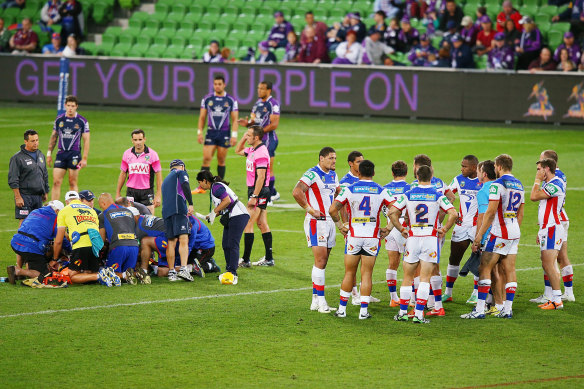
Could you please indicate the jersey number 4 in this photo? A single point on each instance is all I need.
(365, 206)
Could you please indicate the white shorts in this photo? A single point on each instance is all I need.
(551, 238)
(321, 233)
(395, 241)
(566, 225)
(501, 246)
(422, 248)
(362, 246)
(460, 233)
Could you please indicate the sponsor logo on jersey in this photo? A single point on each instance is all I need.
(115, 266)
(139, 168)
(422, 197)
(126, 236)
(310, 175)
(85, 218)
(149, 221)
(558, 242)
(364, 189)
(433, 254)
(551, 189)
(494, 189)
(116, 214)
(500, 245)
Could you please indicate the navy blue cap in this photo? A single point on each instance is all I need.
(177, 162)
(86, 195)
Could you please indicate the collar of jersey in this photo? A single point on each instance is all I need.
(146, 150)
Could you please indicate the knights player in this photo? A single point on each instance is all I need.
(315, 192)
(365, 200)
(466, 185)
(266, 114)
(550, 237)
(353, 159)
(423, 204)
(222, 112)
(504, 216)
(395, 243)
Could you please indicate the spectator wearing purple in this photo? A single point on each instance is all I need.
(573, 48)
(376, 51)
(530, 44)
(461, 54)
(213, 55)
(25, 40)
(389, 7)
(265, 55)
(319, 27)
(55, 46)
(292, 48)
(380, 25)
(419, 54)
(50, 13)
(313, 50)
(544, 62)
(337, 33)
(469, 31)
(391, 36)
(408, 37)
(501, 57)
(279, 31)
(349, 52)
(481, 11)
(358, 26)
(452, 12)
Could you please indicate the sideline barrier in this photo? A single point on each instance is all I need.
(390, 92)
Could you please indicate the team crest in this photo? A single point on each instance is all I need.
(433, 254)
(226, 105)
(350, 247)
(559, 242)
(542, 107)
(76, 126)
(500, 245)
(61, 124)
(462, 184)
(265, 109)
(576, 110)
(115, 266)
(147, 157)
(210, 103)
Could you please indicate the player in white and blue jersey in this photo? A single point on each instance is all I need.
(220, 111)
(69, 129)
(353, 159)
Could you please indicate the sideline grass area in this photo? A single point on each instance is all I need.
(272, 339)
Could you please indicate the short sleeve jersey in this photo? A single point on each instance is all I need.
(397, 188)
(219, 110)
(321, 189)
(119, 225)
(365, 200)
(562, 176)
(348, 179)
(78, 217)
(149, 226)
(548, 214)
(437, 184)
(423, 204)
(257, 158)
(261, 111)
(509, 192)
(482, 205)
(467, 189)
(140, 167)
(69, 130)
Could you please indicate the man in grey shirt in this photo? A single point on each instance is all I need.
(377, 52)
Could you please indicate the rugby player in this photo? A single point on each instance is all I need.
(69, 129)
(258, 178)
(222, 124)
(315, 192)
(550, 237)
(423, 204)
(140, 165)
(353, 159)
(365, 200)
(504, 215)
(266, 114)
(466, 185)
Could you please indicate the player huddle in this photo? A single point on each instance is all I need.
(420, 215)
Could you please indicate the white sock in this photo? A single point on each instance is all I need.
(508, 304)
(190, 267)
(568, 271)
(355, 291)
(423, 293)
(364, 304)
(451, 272)
(557, 296)
(436, 283)
(346, 295)
(318, 279)
(405, 293)
(480, 309)
(499, 307)
(391, 275)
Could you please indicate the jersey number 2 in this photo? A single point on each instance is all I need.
(421, 211)
(365, 206)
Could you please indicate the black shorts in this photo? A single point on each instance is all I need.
(176, 225)
(142, 196)
(83, 259)
(218, 138)
(31, 202)
(36, 262)
(203, 255)
(263, 198)
(67, 159)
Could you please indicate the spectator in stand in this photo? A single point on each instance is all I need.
(581, 65)
(213, 54)
(460, 54)
(452, 12)
(408, 37)
(349, 52)
(512, 35)
(292, 48)
(25, 40)
(14, 4)
(485, 36)
(379, 25)
(71, 19)
(481, 11)
(265, 55)
(226, 54)
(376, 52)
(430, 14)
(55, 46)
(449, 33)
(530, 44)
(358, 26)
(50, 13)
(4, 36)
(320, 28)
(501, 57)
(391, 36)
(469, 31)
(572, 48)
(279, 31)
(337, 33)
(443, 60)
(72, 49)
(508, 13)
(565, 63)
(313, 50)
(545, 62)
(419, 54)
(389, 7)
(575, 15)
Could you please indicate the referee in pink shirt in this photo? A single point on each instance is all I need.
(140, 164)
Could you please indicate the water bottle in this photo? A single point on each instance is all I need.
(3, 279)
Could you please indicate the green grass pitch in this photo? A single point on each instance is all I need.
(260, 333)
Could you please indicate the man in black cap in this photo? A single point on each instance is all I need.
(87, 197)
(176, 193)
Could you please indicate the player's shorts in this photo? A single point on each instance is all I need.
(362, 246)
(35, 261)
(422, 248)
(551, 238)
(566, 226)
(122, 258)
(218, 138)
(67, 159)
(395, 241)
(176, 225)
(271, 143)
(202, 255)
(461, 234)
(83, 259)
(31, 202)
(142, 196)
(161, 245)
(501, 246)
(263, 198)
(320, 233)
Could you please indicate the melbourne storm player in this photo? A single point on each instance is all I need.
(222, 112)
(69, 129)
(266, 114)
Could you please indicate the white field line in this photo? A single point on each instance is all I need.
(193, 298)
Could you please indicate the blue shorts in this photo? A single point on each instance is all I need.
(161, 245)
(218, 138)
(271, 142)
(177, 225)
(67, 159)
(122, 258)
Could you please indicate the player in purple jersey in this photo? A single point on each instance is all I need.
(69, 129)
(266, 113)
(222, 112)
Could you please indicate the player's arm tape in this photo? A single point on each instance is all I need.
(308, 208)
(339, 224)
(49, 152)
(234, 134)
(199, 131)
